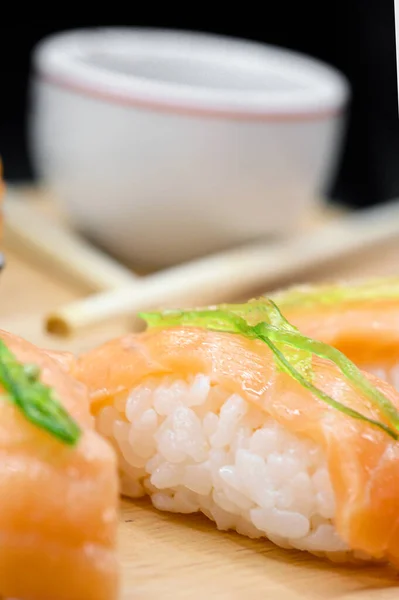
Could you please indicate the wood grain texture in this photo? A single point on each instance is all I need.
(167, 556)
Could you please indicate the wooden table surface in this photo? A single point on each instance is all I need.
(171, 556)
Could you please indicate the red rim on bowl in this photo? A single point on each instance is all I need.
(193, 74)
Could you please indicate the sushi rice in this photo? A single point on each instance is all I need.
(193, 447)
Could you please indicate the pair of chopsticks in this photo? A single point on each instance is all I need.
(211, 280)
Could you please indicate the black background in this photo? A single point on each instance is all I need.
(356, 36)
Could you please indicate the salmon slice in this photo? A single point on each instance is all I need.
(361, 319)
(58, 502)
(204, 421)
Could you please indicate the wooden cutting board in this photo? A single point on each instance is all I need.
(175, 556)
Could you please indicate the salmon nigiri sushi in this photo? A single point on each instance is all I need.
(360, 318)
(263, 430)
(59, 484)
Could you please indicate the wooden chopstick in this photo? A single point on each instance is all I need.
(223, 277)
(39, 237)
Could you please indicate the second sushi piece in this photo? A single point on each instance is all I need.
(59, 489)
(360, 318)
(263, 430)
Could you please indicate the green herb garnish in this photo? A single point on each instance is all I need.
(292, 351)
(308, 296)
(34, 399)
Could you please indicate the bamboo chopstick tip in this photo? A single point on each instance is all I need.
(56, 325)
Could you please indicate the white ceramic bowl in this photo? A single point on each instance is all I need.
(166, 145)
